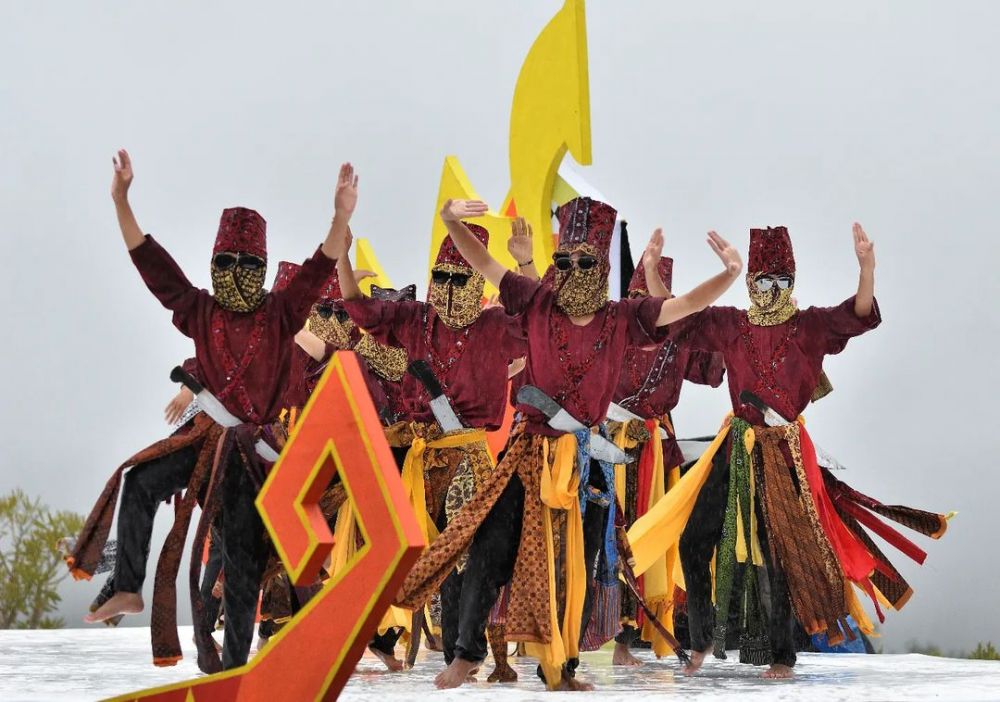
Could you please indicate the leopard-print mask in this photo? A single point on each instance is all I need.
(772, 307)
(458, 306)
(239, 289)
(331, 330)
(582, 292)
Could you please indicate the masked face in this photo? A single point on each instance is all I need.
(581, 279)
(387, 361)
(770, 298)
(456, 294)
(238, 280)
(330, 322)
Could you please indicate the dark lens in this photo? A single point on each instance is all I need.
(342, 315)
(440, 277)
(459, 279)
(324, 311)
(585, 263)
(251, 263)
(224, 261)
(562, 262)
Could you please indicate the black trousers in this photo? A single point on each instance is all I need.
(146, 486)
(703, 531)
(491, 564)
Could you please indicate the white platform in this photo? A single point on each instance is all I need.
(89, 664)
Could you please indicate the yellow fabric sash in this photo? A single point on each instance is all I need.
(560, 490)
(413, 472)
(661, 527)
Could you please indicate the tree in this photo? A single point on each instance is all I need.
(30, 566)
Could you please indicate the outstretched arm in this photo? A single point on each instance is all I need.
(345, 199)
(651, 262)
(120, 183)
(453, 212)
(311, 344)
(864, 301)
(708, 292)
(348, 283)
(521, 247)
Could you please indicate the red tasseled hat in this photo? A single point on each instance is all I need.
(449, 254)
(587, 221)
(242, 230)
(770, 251)
(665, 268)
(286, 273)
(409, 293)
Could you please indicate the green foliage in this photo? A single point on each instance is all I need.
(985, 652)
(30, 566)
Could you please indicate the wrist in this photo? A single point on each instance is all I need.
(525, 263)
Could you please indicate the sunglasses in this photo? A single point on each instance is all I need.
(225, 261)
(766, 282)
(326, 311)
(444, 277)
(563, 262)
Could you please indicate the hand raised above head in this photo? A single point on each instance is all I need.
(123, 175)
(456, 210)
(345, 197)
(521, 242)
(729, 256)
(863, 248)
(654, 250)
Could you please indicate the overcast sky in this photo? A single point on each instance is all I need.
(735, 115)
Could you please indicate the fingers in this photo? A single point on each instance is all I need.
(714, 236)
(125, 159)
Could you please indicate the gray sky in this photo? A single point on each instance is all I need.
(730, 116)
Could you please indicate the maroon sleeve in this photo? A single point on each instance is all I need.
(518, 293)
(300, 295)
(314, 367)
(393, 323)
(641, 315)
(709, 330)
(832, 327)
(705, 368)
(167, 281)
(191, 367)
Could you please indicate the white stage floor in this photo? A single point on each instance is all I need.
(89, 664)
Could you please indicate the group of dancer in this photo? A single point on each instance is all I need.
(594, 523)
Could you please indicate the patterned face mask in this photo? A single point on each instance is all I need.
(330, 322)
(238, 281)
(387, 361)
(456, 294)
(770, 298)
(581, 292)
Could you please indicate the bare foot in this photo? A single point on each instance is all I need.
(120, 603)
(623, 656)
(502, 673)
(697, 658)
(571, 684)
(455, 674)
(778, 672)
(391, 662)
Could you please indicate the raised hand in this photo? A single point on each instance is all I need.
(345, 198)
(654, 250)
(122, 178)
(457, 210)
(863, 249)
(729, 256)
(362, 274)
(521, 244)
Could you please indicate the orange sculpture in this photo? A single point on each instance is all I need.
(312, 657)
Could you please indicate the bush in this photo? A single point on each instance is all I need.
(30, 566)
(985, 652)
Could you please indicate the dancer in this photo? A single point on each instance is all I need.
(536, 500)
(242, 338)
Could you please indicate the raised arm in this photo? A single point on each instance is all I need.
(651, 262)
(345, 273)
(345, 199)
(864, 301)
(708, 292)
(120, 183)
(521, 247)
(311, 344)
(453, 212)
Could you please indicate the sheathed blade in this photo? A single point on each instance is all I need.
(561, 420)
(620, 414)
(440, 406)
(211, 406)
(265, 451)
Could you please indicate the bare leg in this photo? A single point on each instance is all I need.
(697, 658)
(623, 656)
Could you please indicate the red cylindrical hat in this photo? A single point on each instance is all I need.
(665, 268)
(449, 254)
(242, 230)
(770, 251)
(586, 221)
